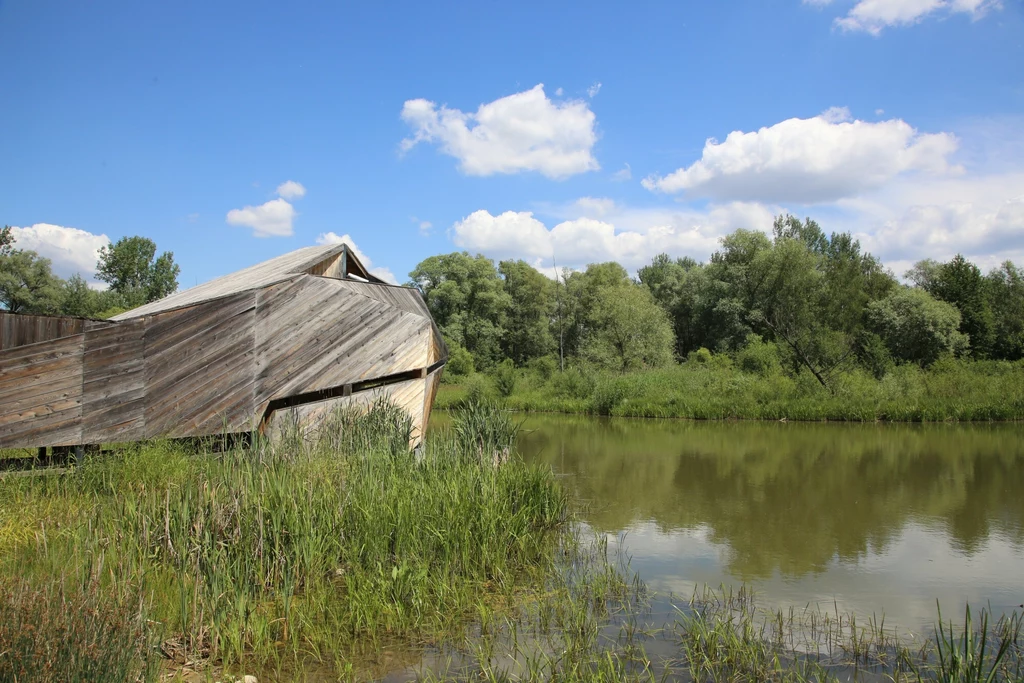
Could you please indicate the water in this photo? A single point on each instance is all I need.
(870, 519)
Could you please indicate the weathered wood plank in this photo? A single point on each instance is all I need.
(42, 406)
(199, 368)
(21, 330)
(334, 337)
(113, 382)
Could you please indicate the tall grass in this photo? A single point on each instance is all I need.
(951, 390)
(292, 553)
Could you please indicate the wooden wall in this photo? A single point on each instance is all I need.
(215, 367)
(21, 330)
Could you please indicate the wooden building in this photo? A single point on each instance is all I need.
(287, 339)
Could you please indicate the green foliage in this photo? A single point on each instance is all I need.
(759, 357)
(1005, 287)
(527, 328)
(701, 355)
(478, 389)
(873, 354)
(6, 240)
(544, 367)
(960, 283)
(27, 285)
(505, 378)
(132, 269)
(951, 389)
(468, 301)
(916, 327)
(630, 330)
(460, 361)
(573, 383)
(609, 392)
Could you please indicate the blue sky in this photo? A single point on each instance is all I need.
(233, 132)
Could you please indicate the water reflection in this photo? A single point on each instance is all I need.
(877, 517)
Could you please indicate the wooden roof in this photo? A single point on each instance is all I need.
(332, 260)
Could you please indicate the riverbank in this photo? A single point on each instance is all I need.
(715, 389)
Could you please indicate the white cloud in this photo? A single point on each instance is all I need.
(873, 16)
(819, 159)
(522, 132)
(192, 217)
(980, 217)
(334, 238)
(426, 227)
(623, 174)
(595, 234)
(69, 249)
(559, 92)
(271, 219)
(290, 189)
(593, 90)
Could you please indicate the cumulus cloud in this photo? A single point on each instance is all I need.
(271, 219)
(521, 132)
(812, 160)
(290, 189)
(334, 238)
(873, 16)
(70, 250)
(981, 217)
(596, 234)
(593, 90)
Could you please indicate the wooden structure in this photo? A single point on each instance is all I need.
(290, 338)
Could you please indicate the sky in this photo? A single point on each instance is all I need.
(560, 133)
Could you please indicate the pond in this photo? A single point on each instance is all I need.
(868, 519)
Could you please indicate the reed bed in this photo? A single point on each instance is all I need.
(280, 556)
(951, 390)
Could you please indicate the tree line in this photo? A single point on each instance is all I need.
(797, 298)
(133, 272)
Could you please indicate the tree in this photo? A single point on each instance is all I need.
(6, 240)
(631, 331)
(131, 270)
(27, 285)
(81, 300)
(467, 299)
(527, 331)
(960, 283)
(677, 286)
(915, 326)
(1005, 286)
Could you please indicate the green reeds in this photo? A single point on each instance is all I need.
(296, 552)
(952, 390)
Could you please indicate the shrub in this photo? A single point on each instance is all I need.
(701, 355)
(505, 378)
(759, 357)
(573, 383)
(460, 361)
(545, 366)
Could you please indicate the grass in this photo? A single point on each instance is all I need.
(283, 556)
(952, 390)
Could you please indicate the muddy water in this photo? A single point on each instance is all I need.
(870, 519)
